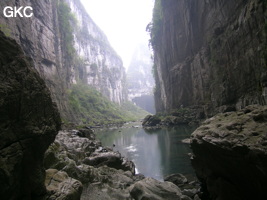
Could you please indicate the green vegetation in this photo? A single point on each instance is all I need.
(92, 108)
(93, 66)
(154, 28)
(5, 29)
(67, 21)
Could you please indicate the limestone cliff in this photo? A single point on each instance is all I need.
(29, 122)
(140, 79)
(211, 54)
(67, 47)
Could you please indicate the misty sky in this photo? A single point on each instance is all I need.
(123, 21)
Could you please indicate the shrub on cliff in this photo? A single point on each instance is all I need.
(154, 27)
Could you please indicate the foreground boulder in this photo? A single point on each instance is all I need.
(60, 186)
(29, 122)
(230, 154)
(150, 188)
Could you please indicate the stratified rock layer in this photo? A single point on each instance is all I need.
(29, 122)
(211, 54)
(230, 154)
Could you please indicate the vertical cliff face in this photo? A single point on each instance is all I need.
(64, 56)
(209, 53)
(102, 67)
(140, 79)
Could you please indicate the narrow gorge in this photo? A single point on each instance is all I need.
(63, 88)
(210, 58)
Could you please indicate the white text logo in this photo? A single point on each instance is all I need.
(20, 12)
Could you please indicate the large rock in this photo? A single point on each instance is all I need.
(29, 123)
(110, 159)
(78, 155)
(60, 186)
(153, 189)
(151, 120)
(230, 154)
(109, 184)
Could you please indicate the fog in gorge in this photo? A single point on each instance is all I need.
(140, 78)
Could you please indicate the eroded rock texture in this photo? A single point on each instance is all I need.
(76, 157)
(60, 186)
(29, 122)
(230, 154)
(211, 54)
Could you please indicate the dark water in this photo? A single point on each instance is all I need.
(155, 153)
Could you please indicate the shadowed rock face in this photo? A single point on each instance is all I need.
(211, 54)
(230, 154)
(29, 122)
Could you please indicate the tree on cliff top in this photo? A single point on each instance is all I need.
(154, 28)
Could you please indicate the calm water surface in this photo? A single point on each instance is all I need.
(155, 153)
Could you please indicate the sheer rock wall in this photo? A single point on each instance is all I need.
(211, 54)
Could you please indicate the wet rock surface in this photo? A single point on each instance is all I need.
(230, 154)
(105, 175)
(29, 123)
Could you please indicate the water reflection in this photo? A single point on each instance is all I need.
(155, 153)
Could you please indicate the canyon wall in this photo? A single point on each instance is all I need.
(209, 54)
(66, 47)
(140, 79)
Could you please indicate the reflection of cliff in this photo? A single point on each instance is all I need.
(174, 153)
(140, 79)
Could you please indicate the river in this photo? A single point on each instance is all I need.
(155, 153)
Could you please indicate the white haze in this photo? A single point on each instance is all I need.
(123, 21)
